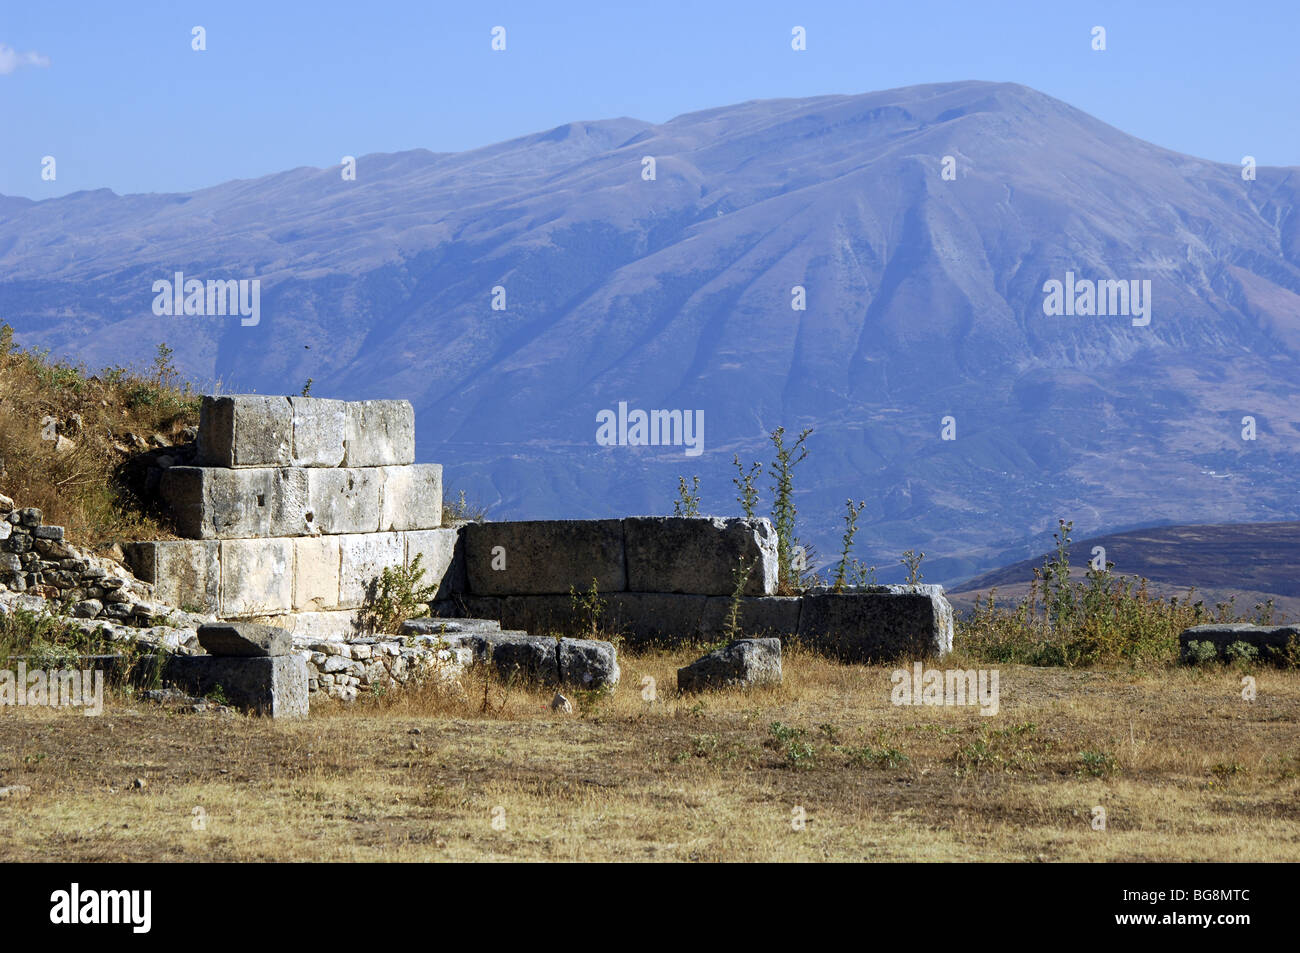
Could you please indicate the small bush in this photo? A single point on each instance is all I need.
(395, 596)
(1201, 653)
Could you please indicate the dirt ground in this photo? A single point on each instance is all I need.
(1077, 765)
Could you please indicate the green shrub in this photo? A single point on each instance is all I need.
(395, 596)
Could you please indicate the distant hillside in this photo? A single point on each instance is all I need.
(1253, 561)
(923, 294)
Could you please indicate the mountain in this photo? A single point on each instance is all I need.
(924, 299)
(1252, 562)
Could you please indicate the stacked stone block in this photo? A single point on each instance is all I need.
(294, 505)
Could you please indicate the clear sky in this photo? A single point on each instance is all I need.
(115, 93)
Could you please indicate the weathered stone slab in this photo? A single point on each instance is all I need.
(362, 558)
(879, 623)
(411, 497)
(758, 616)
(216, 503)
(326, 626)
(185, 573)
(344, 500)
(275, 687)
(442, 558)
(316, 565)
(1266, 639)
(379, 433)
(435, 626)
(743, 663)
(256, 577)
(699, 555)
(587, 663)
(245, 430)
(538, 557)
(580, 663)
(244, 639)
(319, 431)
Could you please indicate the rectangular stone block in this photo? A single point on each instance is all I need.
(411, 497)
(379, 433)
(345, 500)
(315, 573)
(441, 558)
(878, 624)
(217, 503)
(185, 573)
(327, 626)
(362, 558)
(758, 616)
(1267, 640)
(538, 557)
(319, 431)
(245, 430)
(700, 555)
(275, 687)
(256, 577)
(664, 617)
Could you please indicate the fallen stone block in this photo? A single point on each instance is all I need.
(743, 663)
(435, 627)
(244, 640)
(324, 626)
(275, 686)
(183, 572)
(256, 577)
(411, 497)
(1267, 640)
(587, 663)
(245, 430)
(878, 623)
(699, 555)
(379, 433)
(537, 557)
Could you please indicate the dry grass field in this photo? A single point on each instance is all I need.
(1182, 766)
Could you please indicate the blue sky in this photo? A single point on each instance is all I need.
(125, 103)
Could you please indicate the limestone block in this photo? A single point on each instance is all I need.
(742, 664)
(757, 616)
(441, 557)
(217, 503)
(275, 687)
(344, 500)
(316, 565)
(184, 572)
(379, 433)
(411, 497)
(319, 431)
(699, 554)
(362, 557)
(1268, 640)
(245, 430)
(877, 623)
(244, 639)
(534, 557)
(256, 577)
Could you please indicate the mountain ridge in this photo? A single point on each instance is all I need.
(924, 300)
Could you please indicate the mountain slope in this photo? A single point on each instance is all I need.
(924, 299)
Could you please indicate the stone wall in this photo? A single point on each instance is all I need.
(297, 504)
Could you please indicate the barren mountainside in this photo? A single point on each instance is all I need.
(924, 299)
